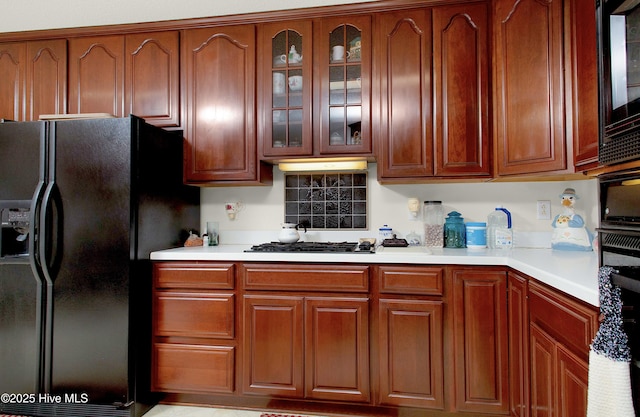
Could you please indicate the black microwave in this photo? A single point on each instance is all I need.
(619, 69)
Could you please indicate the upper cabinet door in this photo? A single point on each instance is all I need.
(584, 83)
(152, 77)
(404, 72)
(284, 87)
(219, 80)
(529, 87)
(46, 78)
(96, 75)
(343, 61)
(12, 73)
(461, 90)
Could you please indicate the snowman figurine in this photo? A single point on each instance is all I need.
(569, 231)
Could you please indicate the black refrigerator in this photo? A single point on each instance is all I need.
(83, 203)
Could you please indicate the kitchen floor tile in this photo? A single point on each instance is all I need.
(162, 410)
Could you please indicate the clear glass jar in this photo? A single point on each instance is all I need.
(433, 215)
(454, 231)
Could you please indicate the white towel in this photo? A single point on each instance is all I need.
(609, 391)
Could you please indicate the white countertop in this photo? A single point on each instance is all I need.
(575, 273)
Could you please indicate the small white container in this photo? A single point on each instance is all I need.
(476, 235)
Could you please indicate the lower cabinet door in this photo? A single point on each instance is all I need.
(337, 348)
(559, 378)
(573, 377)
(542, 381)
(480, 345)
(411, 353)
(273, 345)
(193, 368)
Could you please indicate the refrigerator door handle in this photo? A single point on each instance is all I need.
(50, 236)
(34, 230)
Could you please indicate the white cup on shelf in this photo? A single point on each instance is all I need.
(278, 83)
(337, 53)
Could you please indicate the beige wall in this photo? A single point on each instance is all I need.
(264, 206)
(50, 14)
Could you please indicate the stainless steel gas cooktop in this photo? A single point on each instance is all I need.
(322, 247)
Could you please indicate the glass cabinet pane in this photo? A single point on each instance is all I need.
(287, 89)
(345, 89)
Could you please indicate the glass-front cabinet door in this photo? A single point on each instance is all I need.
(285, 121)
(344, 48)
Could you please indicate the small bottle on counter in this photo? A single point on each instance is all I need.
(205, 240)
(433, 224)
(385, 232)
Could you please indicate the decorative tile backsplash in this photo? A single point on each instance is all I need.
(327, 201)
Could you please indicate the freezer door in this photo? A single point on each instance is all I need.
(22, 169)
(88, 221)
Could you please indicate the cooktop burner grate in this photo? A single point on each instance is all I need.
(331, 247)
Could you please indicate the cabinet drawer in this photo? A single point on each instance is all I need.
(193, 368)
(563, 318)
(194, 275)
(317, 277)
(410, 280)
(194, 314)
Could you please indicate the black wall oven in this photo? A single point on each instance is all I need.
(619, 247)
(619, 68)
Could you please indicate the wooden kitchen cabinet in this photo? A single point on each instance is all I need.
(220, 100)
(96, 75)
(274, 345)
(560, 332)
(306, 345)
(126, 74)
(194, 322)
(410, 336)
(330, 113)
(285, 111)
(152, 77)
(33, 79)
(12, 74)
(545, 86)
(344, 85)
(434, 92)
(583, 83)
(518, 318)
(480, 339)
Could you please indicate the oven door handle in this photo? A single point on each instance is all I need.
(625, 282)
